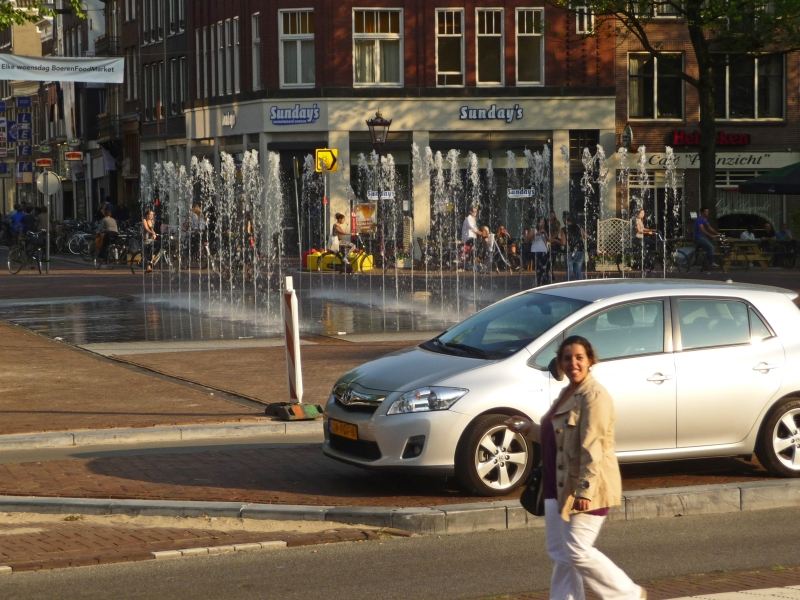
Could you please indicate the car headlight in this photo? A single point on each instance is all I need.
(426, 399)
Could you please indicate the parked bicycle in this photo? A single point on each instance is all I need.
(27, 252)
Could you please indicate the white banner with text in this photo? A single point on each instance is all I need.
(62, 68)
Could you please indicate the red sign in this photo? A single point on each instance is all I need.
(683, 137)
(73, 155)
(44, 162)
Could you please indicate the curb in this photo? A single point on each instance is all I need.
(451, 518)
(170, 433)
(212, 550)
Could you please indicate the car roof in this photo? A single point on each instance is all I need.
(594, 290)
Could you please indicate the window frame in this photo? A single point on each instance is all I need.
(462, 36)
(517, 35)
(377, 38)
(256, 82)
(584, 20)
(491, 9)
(727, 118)
(655, 116)
(298, 39)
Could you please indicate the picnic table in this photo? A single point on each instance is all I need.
(745, 253)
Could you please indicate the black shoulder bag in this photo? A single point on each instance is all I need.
(532, 498)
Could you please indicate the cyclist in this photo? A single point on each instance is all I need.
(108, 231)
(149, 236)
(703, 232)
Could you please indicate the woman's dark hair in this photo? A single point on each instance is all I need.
(339, 216)
(577, 339)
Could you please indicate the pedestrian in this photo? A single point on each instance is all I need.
(540, 251)
(573, 238)
(469, 234)
(581, 480)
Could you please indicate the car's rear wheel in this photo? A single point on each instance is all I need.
(491, 460)
(779, 442)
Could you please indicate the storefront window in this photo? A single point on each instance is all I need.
(490, 46)
(530, 46)
(377, 47)
(297, 48)
(449, 47)
(749, 87)
(655, 88)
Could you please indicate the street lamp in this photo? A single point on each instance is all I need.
(379, 133)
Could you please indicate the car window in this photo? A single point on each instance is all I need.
(628, 330)
(709, 322)
(548, 353)
(509, 325)
(758, 329)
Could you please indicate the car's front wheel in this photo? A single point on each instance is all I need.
(779, 442)
(491, 460)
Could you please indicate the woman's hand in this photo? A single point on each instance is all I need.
(581, 504)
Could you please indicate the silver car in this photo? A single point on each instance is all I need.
(696, 369)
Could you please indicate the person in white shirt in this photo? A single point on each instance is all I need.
(469, 232)
(747, 235)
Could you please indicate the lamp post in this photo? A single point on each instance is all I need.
(379, 133)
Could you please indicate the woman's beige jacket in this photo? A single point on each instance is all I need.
(586, 463)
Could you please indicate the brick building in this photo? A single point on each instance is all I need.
(758, 119)
(487, 77)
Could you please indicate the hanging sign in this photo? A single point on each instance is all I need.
(520, 192)
(61, 68)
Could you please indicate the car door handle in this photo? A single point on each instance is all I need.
(659, 378)
(763, 367)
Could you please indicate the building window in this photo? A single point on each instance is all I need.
(749, 87)
(584, 20)
(377, 47)
(255, 30)
(220, 58)
(489, 46)
(198, 60)
(655, 88)
(174, 85)
(183, 91)
(659, 9)
(228, 57)
(148, 106)
(212, 74)
(530, 46)
(297, 48)
(236, 56)
(449, 47)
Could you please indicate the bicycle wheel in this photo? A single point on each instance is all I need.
(135, 261)
(16, 260)
(37, 258)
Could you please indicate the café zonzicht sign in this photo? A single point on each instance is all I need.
(62, 68)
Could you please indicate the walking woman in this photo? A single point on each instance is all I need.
(581, 481)
(541, 253)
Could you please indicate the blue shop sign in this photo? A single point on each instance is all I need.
(25, 167)
(25, 117)
(295, 115)
(2, 106)
(24, 150)
(24, 102)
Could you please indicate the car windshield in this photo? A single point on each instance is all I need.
(506, 327)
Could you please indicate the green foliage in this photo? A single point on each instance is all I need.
(10, 14)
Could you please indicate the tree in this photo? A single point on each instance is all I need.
(716, 28)
(17, 12)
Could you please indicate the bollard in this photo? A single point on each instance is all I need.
(294, 410)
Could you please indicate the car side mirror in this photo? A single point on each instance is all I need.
(552, 366)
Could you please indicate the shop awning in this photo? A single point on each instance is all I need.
(785, 180)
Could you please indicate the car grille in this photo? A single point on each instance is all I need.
(352, 399)
(359, 448)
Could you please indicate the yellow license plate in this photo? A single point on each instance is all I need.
(345, 430)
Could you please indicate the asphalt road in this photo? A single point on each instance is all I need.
(475, 565)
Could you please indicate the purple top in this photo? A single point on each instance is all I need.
(548, 445)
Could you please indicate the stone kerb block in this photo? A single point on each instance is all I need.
(284, 512)
(681, 501)
(766, 495)
(375, 516)
(421, 520)
(461, 518)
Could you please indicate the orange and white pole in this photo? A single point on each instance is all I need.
(291, 322)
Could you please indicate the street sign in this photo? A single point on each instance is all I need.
(24, 102)
(44, 163)
(48, 183)
(24, 150)
(327, 160)
(384, 195)
(73, 155)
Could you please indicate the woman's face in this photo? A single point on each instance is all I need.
(150, 214)
(641, 214)
(575, 363)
